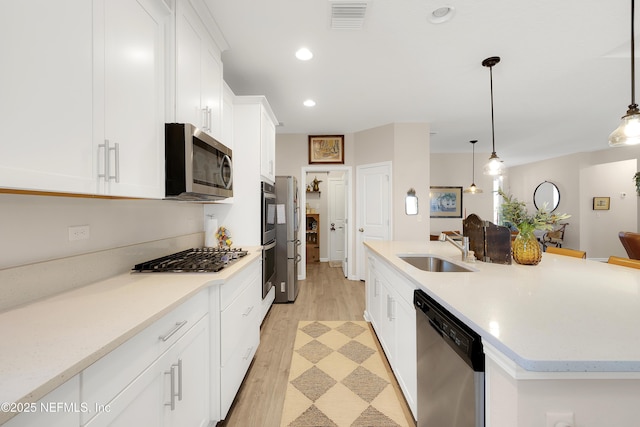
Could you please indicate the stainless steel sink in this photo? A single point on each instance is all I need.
(434, 264)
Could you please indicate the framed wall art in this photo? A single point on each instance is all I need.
(445, 202)
(325, 149)
(601, 203)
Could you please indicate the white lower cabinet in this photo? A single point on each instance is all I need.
(390, 310)
(170, 392)
(240, 302)
(158, 378)
(60, 408)
(183, 370)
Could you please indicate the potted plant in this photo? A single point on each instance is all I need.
(636, 178)
(525, 247)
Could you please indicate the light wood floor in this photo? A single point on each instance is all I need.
(324, 295)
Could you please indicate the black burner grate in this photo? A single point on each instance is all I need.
(196, 260)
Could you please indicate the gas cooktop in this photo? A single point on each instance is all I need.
(196, 260)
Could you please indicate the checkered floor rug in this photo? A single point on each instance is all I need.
(338, 378)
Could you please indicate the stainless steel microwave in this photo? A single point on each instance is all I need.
(197, 167)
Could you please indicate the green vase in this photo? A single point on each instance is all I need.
(526, 249)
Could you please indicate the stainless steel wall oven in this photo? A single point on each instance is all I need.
(268, 228)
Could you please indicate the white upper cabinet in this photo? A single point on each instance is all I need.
(82, 101)
(46, 86)
(199, 83)
(227, 116)
(268, 145)
(129, 96)
(260, 136)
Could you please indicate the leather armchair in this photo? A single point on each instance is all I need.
(631, 243)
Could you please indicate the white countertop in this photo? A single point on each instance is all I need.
(45, 343)
(563, 315)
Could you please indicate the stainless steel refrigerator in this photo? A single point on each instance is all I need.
(287, 242)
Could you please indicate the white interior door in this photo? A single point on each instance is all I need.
(337, 222)
(373, 207)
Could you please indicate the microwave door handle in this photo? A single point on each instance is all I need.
(226, 159)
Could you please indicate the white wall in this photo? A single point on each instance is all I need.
(456, 170)
(579, 180)
(405, 144)
(411, 168)
(599, 228)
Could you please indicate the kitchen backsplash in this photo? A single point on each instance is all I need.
(37, 257)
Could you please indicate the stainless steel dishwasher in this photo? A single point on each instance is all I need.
(450, 368)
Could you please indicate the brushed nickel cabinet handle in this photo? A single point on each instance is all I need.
(175, 329)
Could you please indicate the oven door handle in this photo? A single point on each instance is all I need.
(269, 246)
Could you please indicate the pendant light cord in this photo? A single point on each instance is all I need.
(633, 62)
(473, 162)
(493, 132)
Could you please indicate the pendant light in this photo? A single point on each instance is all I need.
(494, 166)
(472, 188)
(628, 133)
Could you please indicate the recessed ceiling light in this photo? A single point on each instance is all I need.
(304, 54)
(309, 103)
(442, 14)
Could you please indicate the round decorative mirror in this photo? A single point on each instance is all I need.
(547, 192)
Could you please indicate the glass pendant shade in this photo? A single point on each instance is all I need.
(628, 133)
(472, 189)
(494, 166)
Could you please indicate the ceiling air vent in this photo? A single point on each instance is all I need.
(348, 15)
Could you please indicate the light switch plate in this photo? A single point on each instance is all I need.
(559, 419)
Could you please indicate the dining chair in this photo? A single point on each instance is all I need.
(554, 237)
(568, 252)
(625, 262)
(631, 243)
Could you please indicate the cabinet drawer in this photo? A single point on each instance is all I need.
(230, 290)
(233, 372)
(103, 380)
(240, 320)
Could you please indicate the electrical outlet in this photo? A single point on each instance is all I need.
(559, 419)
(78, 232)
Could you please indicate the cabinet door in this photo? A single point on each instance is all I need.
(211, 96)
(405, 358)
(188, 68)
(387, 334)
(191, 378)
(227, 116)
(133, 104)
(267, 146)
(199, 79)
(139, 404)
(46, 86)
(374, 297)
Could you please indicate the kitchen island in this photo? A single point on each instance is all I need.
(69, 340)
(561, 336)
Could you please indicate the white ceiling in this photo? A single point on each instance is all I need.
(561, 87)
